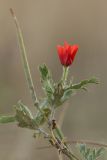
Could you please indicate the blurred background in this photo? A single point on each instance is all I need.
(45, 24)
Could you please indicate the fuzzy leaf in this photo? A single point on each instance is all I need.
(48, 89)
(47, 82)
(40, 117)
(99, 152)
(90, 157)
(44, 71)
(90, 154)
(87, 152)
(84, 83)
(24, 116)
(82, 148)
(7, 119)
(25, 109)
(67, 95)
(94, 153)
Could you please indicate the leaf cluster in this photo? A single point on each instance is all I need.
(89, 153)
(58, 93)
(55, 95)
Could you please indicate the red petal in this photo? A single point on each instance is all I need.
(61, 53)
(74, 50)
(66, 45)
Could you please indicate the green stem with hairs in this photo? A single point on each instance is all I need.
(26, 65)
(65, 74)
(7, 119)
(25, 61)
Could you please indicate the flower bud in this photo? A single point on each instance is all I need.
(67, 53)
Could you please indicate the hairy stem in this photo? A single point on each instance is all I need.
(65, 74)
(7, 119)
(26, 66)
(25, 61)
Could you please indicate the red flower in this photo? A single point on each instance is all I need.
(67, 53)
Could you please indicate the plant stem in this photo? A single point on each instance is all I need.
(25, 61)
(69, 155)
(65, 74)
(44, 133)
(58, 138)
(26, 64)
(7, 119)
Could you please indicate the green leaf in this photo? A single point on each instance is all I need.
(90, 154)
(7, 119)
(45, 73)
(24, 116)
(47, 82)
(99, 152)
(25, 109)
(94, 153)
(67, 94)
(90, 157)
(82, 148)
(84, 83)
(87, 152)
(40, 117)
(48, 88)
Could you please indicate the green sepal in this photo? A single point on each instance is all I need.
(7, 119)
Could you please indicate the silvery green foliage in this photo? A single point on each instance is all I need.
(56, 94)
(40, 117)
(89, 153)
(83, 83)
(24, 116)
(47, 82)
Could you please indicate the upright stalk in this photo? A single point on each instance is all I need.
(25, 61)
(64, 74)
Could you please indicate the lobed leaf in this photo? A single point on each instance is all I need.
(84, 83)
(99, 152)
(40, 117)
(44, 72)
(67, 94)
(24, 116)
(47, 82)
(90, 154)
